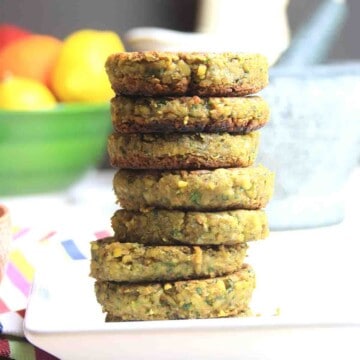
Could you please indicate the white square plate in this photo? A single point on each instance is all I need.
(308, 278)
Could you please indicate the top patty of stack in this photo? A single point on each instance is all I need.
(152, 73)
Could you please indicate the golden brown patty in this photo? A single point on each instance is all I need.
(182, 151)
(131, 262)
(166, 227)
(200, 190)
(153, 73)
(188, 114)
(207, 298)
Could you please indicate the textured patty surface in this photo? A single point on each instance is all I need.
(188, 114)
(246, 312)
(131, 262)
(201, 190)
(152, 73)
(206, 298)
(166, 227)
(182, 151)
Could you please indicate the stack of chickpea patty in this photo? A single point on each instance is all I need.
(184, 141)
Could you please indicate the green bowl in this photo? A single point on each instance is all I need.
(46, 151)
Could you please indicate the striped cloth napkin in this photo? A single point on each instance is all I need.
(29, 248)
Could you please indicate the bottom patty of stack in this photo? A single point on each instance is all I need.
(243, 313)
(223, 296)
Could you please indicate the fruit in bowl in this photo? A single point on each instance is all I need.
(19, 93)
(54, 117)
(32, 56)
(10, 33)
(80, 77)
(72, 69)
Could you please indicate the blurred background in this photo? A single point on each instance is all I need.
(61, 17)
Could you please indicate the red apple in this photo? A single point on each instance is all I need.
(10, 33)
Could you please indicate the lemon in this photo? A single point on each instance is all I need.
(19, 93)
(79, 73)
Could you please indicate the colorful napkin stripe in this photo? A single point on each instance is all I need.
(31, 247)
(72, 250)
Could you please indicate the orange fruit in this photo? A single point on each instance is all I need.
(17, 93)
(10, 33)
(32, 57)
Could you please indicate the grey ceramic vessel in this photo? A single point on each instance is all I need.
(312, 142)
